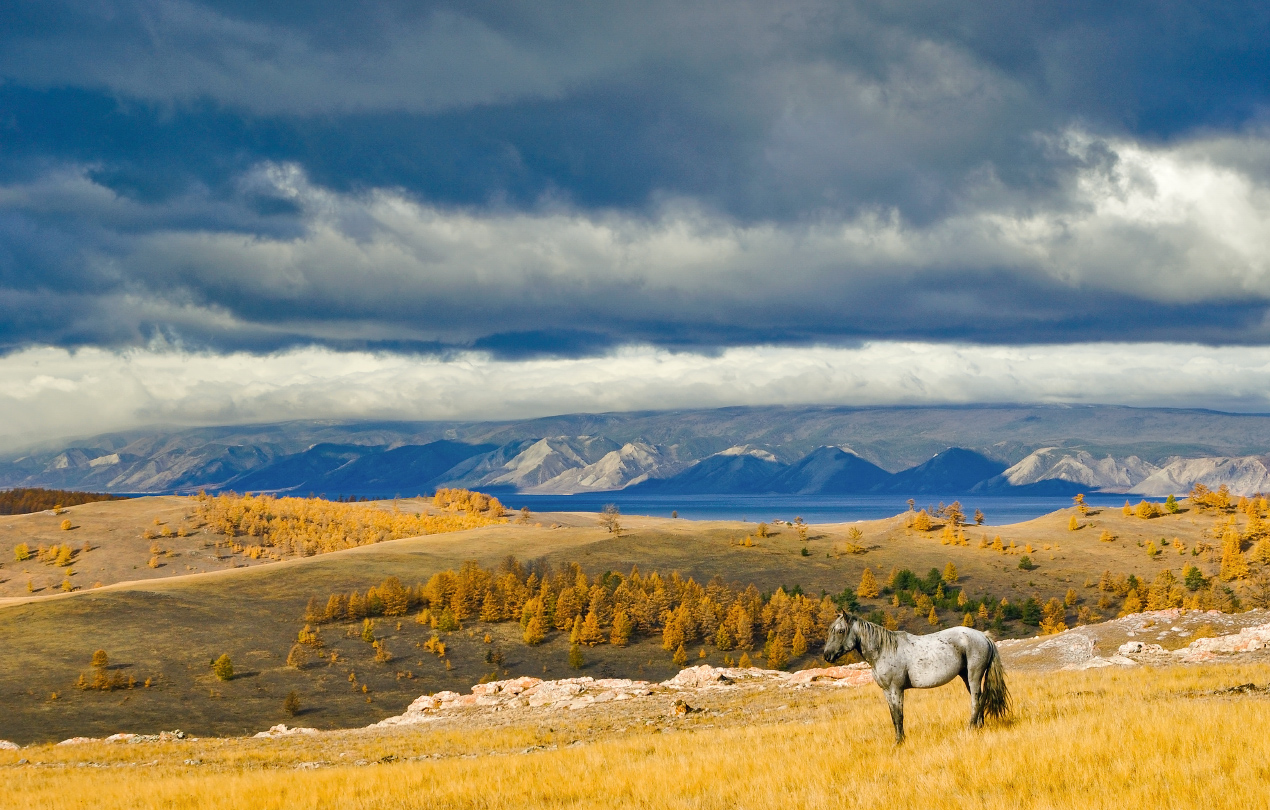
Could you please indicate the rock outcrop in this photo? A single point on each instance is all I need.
(579, 693)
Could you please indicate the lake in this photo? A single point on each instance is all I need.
(998, 510)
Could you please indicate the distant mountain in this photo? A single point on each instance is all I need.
(412, 469)
(828, 471)
(1053, 470)
(1020, 449)
(300, 471)
(538, 462)
(952, 471)
(633, 463)
(1244, 476)
(735, 471)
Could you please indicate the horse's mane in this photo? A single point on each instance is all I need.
(878, 637)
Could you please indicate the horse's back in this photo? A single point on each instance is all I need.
(936, 658)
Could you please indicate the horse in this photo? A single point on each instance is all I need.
(904, 661)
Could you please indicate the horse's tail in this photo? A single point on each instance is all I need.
(994, 697)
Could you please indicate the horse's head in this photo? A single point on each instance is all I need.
(842, 637)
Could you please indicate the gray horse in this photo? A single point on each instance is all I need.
(904, 661)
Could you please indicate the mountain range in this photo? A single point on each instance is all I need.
(804, 451)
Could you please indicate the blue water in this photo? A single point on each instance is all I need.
(997, 510)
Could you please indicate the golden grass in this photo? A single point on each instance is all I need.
(1097, 739)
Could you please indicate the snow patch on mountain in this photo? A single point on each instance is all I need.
(749, 450)
(1245, 475)
(546, 459)
(633, 463)
(1080, 467)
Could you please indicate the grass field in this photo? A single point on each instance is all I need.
(168, 629)
(1096, 739)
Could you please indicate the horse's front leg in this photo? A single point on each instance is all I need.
(895, 699)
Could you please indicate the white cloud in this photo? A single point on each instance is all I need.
(49, 393)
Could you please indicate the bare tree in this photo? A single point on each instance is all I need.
(611, 518)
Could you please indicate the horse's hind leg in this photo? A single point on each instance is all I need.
(895, 699)
(973, 677)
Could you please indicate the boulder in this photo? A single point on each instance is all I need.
(5, 745)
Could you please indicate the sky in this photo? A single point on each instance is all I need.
(218, 212)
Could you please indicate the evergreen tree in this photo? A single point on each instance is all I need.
(1233, 564)
(798, 647)
(534, 633)
(291, 704)
(591, 633)
(575, 657)
(623, 627)
(1132, 604)
(446, 622)
(681, 656)
(868, 586)
(1052, 617)
(723, 639)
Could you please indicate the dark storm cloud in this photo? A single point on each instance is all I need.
(565, 178)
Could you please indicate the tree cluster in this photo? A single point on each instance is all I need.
(308, 526)
(24, 501)
(607, 608)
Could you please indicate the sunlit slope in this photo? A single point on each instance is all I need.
(169, 630)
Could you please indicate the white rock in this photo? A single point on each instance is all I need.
(5, 745)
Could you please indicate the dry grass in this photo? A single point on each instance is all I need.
(1097, 739)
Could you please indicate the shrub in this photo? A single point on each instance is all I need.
(66, 525)
(1170, 504)
(291, 705)
(1026, 564)
(223, 668)
(1073, 524)
(805, 552)
(22, 552)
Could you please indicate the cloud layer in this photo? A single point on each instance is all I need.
(47, 393)
(1137, 243)
(571, 182)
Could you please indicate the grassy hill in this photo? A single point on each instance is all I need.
(169, 629)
